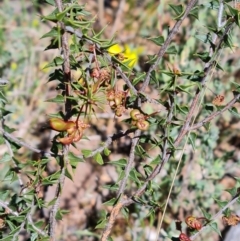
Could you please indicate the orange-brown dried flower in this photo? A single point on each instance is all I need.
(119, 110)
(193, 222)
(105, 75)
(232, 220)
(218, 100)
(95, 73)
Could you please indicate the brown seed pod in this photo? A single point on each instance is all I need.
(232, 220)
(218, 100)
(193, 222)
(95, 73)
(119, 110)
(110, 95)
(142, 125)
(134, 114)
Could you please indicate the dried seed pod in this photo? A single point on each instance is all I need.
(95, 73)
(105, 75)
(110, 95)
(119, 110)
(218, 100)
(232, 220)
(134, 114)
(193, 222)
(142, 125)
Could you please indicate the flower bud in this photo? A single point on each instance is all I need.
(58, 124)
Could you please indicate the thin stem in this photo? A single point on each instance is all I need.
(24, 144)
(118, 16)
(52, 217)
(8, 209)
(163, 49)
(130, 163)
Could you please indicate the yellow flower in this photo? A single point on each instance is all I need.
(132, 55)
(128, 56)
(115, 49)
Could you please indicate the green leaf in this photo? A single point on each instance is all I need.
(125, 213)
(113, 187)
(74, 160)
(121, 162)
(101, 224)
(214, 227)
(192, 139)
(57, 99)
(182, 109)
(148, 170)
(110, 202)
(205, 38)
(51, 2)
(98, 158)
(221, 203)
(232, 191)
(133, 175)
(106, 151)
(68, 174)
(6, 158)
(171, 50)
(60, 213)
(54, 32)
(234, 111)
(206, 215)
(57, 61)
(157, 40)
(204, 56)
(86, 153)
(194, 12)
(156, 160)
(228, 41)
(178, 9)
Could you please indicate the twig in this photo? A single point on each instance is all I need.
(163, 49)
(101, 12)
(220, 13)
(24, 144)
(8, 209)
(130, 163)
(215, 114)
(219, 213)
(114, 213)
(52, 217)
(36, 228)
(118, 17)
(68, 112)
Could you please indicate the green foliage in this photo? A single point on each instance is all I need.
(173, 160)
